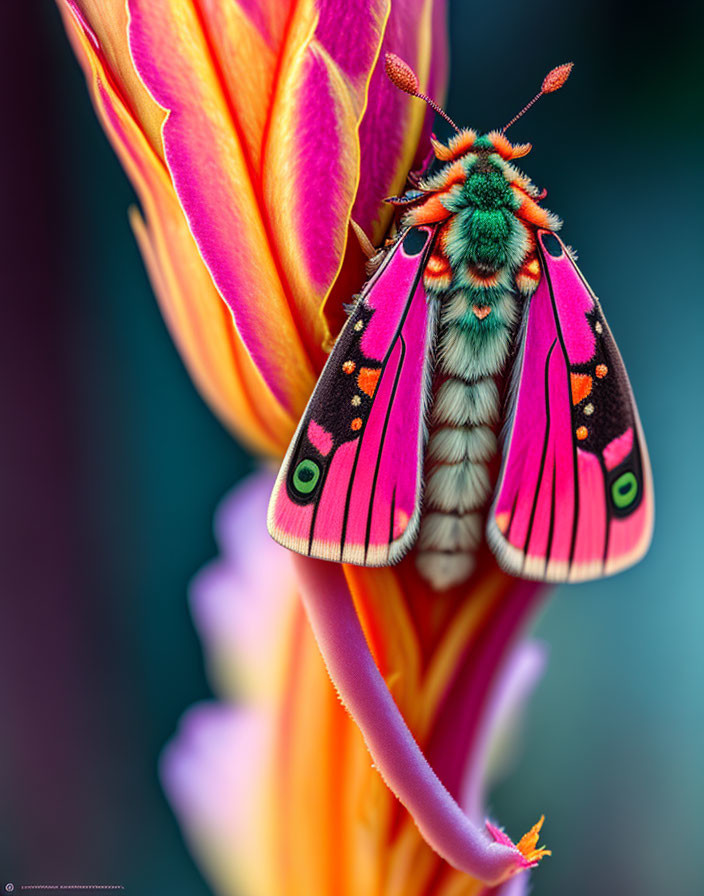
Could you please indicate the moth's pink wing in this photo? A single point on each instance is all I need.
(350, 485)
(575, 495)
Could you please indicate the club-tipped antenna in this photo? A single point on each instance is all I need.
(402, 76)
(551, 82)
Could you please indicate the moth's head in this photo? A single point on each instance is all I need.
(467, 140)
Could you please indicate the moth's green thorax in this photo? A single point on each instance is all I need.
(485, 245)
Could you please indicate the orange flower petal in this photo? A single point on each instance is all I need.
(104, 23)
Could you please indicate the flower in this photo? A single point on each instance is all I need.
(261, 136)
(273, 784)
(280, 127)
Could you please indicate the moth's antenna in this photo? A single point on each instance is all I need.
(551, 82)
(402, 76)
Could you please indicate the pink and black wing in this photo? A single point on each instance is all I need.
(575, 495)
(350, 485)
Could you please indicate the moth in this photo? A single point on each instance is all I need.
(395, 447)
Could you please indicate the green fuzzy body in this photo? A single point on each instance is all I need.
(483, 240)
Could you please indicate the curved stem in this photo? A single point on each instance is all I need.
(396, 754)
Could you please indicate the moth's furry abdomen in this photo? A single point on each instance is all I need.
(458, 488)
(451, 532)
(452, 445)
(460, 403)
(444, 569)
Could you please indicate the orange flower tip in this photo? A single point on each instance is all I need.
(401, 74)
(556, 78)
(527, 846)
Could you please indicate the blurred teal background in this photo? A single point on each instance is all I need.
(112, 466)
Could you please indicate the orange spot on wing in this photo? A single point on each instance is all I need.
(502, 521)
(581, 384)
(356, 424)
(348, 367)
(582, 433)
(601, 370)
(367, 380)
(401, 519)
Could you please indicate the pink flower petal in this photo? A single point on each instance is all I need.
(215, 773)
(396, 127)
(220, 193)
(242, 601)
(517, 886)
(269, 215)
(212, 764)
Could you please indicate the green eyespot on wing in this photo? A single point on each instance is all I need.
(624, 490)
(305, 476)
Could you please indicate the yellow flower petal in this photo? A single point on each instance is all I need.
(105, 21)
